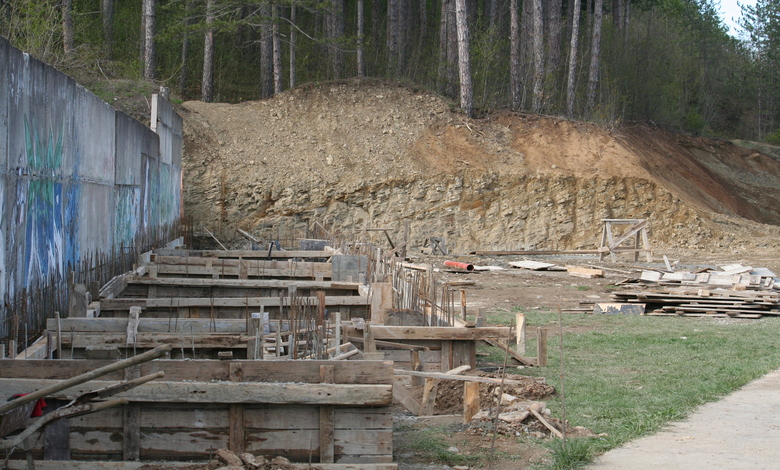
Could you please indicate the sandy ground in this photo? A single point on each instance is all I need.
(739, 432)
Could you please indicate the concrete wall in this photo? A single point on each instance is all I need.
(79, 179)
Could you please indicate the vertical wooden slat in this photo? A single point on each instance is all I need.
(236, 438)
(327, 446)
(56, 435)
(131, 445)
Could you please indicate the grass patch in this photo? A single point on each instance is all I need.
(429, 444)
(628, 376)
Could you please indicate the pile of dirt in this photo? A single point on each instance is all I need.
(366, 153)
(449, 399)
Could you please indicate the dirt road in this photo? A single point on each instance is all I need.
(741, 431)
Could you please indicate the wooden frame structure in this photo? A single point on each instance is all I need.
(637, 231)
(319, 411)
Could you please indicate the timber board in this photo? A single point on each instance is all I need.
(346, 372)
(247, 254)
(105, 465)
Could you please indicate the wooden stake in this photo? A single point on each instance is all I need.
(470, 400)
(520, 332)
(541, 348)
(463, 304)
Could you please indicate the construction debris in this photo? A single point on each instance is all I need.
(733, 291)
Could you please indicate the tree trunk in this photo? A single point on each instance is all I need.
(335, 31)
(575, 32)
(536, 102)
(207, 86)
(361, 63)
(375, 22)
(552, 26)
(149, 33)
(526, 49)
(595, 55)
(266, 52)
(185, 47)
(277, 45)
(392, 40)
(293, 34)
(514, 55)
(448, 50)
(67, 26)
(107, 8)
(464, 67)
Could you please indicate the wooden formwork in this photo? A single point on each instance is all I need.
(308, 411)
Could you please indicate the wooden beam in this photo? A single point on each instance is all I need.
(258, 254)
(225, 392)
(206, 302)
(404, 397)
(437, 332)
(462, 378)
(257, 283)
(103, 465)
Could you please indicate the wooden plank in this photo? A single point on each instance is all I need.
(249, 254)
(132, 325)
(349, 372)
(204, 302)
(437, 332)
(103, 465)
(150, 325)
(324, 271)
(404, 397)
(580, 271)
(255, 283)
(532, 265)
(381, 301)
(460, 378)
(226, 392)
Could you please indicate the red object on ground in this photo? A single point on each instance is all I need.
(455, 264)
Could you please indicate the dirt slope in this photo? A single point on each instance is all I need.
(352, 153)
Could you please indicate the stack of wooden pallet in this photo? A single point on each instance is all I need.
(734, 291)
(702, 302)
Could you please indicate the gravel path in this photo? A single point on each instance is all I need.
(742, 431)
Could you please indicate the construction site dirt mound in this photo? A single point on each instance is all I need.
(360, 153)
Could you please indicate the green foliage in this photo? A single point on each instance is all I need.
(676, 65)
(575, 454)
(774, 138)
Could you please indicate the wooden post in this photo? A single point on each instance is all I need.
(470, 400)
(369, 346)
(337, 330)
(327, 447)
(11, 348)
(236, 438)
(520, 332)
(381, 301)
(59, 334)
(463, 304)
(541, 348)
(131, 414)
(481, 319)
(417, 366)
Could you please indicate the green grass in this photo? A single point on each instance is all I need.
(627, 376)
(429, 444)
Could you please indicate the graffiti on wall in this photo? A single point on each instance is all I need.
(51, 214)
